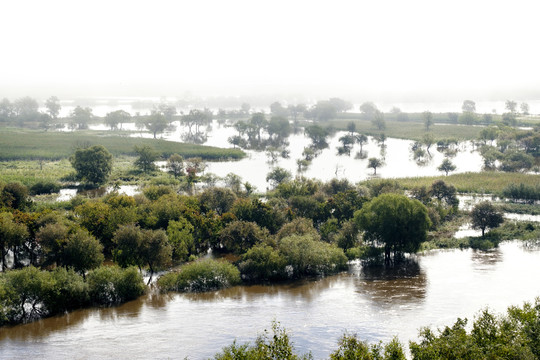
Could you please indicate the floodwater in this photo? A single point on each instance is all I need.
(396, 154)
(377, 304)
(68, 193)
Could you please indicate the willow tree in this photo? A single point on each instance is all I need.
(398, 223)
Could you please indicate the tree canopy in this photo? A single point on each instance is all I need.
(485, 215)
(93, 165)
(396, 221)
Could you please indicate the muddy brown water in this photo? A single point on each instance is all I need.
(375, 303)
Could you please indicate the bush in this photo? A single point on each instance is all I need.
(29, 294)
(112, 285)
(267, 346)
(44, 187)
(205, 275)
(364, 252)
(530, 193)
(262, 262)
(154, 192)
(308, 256)
(481, 244)
(67, 291)
(350, 347)
(21, 295)
(513, 336)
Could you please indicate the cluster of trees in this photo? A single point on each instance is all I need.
(196, 118)
(93, 166)
(510, 149)
(470, 117)
(251, 133)
(522, 192)
(303, 228)
(28, 294)
(325, 110)
(515, 335)
(156, 228)
(25, 111)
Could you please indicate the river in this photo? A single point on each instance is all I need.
(435, 289)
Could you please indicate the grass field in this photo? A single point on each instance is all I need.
(410, 130)
(29, 172)
(480, 183)
(23, 144)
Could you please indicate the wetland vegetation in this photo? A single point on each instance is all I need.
(300, 228)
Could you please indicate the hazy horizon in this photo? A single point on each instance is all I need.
(390, 51)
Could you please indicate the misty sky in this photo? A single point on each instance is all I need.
(218, 47)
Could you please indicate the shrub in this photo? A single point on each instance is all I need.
(112, 285)
(513, 336)
(351, 347)
(262, 262)
(308, 256)
(67, 291)
(267, 346)
(154, 192)
(521, 191)
(44, 187)
(205, 275)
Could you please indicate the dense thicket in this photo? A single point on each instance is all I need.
(28, 294)
(303, 228)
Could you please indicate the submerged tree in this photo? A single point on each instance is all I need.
(156, 123)
(447, 166)
(141, 247)
(468, 106)
(278, 176)
(80, 117)
(93, 165)
(175, 164)
(485, 215)
(116, 118)
(374, 163)
(396, 221)
(147, 156)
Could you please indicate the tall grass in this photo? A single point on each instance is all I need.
(24, 144)
(480, 183)
(32, 172)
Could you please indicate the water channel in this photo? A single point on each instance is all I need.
(433, 290)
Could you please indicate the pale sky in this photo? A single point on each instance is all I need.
(232, 47)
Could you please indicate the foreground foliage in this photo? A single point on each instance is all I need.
(515, 335)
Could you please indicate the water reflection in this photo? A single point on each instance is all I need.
(303, 290)
(42, 328)
(322, 166)
(486, 260)
(130, 309)
(392, 285)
